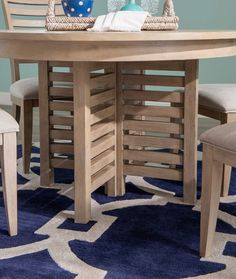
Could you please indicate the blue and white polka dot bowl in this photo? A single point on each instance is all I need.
(77, 8)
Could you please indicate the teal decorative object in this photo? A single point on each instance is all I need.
(132, 6)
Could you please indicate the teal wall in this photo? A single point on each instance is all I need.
(194, 14)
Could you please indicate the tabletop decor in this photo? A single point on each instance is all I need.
(81, 8)
(132, 6)
(168, 20)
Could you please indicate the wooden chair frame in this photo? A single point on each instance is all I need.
(214, 160)
(9, 178)
(224, 118)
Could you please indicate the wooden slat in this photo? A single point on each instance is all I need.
(18, 10)
(102, 114)
(159, 65)
(103, 97)
(61, 92)
(62, 163)
(155, 111)
(98, 147)
(28, 23)
(154, 96)
(30, 2)
(62, 84)
(103, 65)
(102, 161)
(156, 80)
(20, 61)
(60, 64)
(102, 177)
(102, 145)
(153, 126)
(61, 120)
(103, 81)
(67, 77)
(101, 129)
(32, 10)
(153, 156)
(61, 134)
(62, 148)
(157, 142)
(61, 106)
(161, 173)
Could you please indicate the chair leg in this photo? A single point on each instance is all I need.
(16, 112)
(9, 180)
(226, 180)
(211, 188)
(226, 118)
(27, 127)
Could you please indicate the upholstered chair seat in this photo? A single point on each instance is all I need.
(222, 136)
(7, 123)
(25, 88)
(220, 97)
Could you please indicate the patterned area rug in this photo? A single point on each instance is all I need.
(148, 233)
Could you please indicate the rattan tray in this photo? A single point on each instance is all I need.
(168, 21)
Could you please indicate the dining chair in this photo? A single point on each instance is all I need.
(218, 101)
(8, 129)
(219, 149)
(21, 14)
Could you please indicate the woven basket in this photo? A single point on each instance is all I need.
(168, 21)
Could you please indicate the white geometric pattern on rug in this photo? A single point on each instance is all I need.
(57, 243)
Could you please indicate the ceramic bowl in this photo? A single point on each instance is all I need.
(77, 8)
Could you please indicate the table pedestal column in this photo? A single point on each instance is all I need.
(94, 134)
(190, 131)
(46, 173)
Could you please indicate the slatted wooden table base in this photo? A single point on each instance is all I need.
(93, 129)
(160, 149)
(110, 120)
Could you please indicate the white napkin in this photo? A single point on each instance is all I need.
(126, 21)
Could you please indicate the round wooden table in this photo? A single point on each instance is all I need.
(107, 128)
(119, 46)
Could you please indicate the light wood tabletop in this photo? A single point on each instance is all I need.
(108, 129)
(125, 46)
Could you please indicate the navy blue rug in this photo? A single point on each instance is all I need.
(142, 235)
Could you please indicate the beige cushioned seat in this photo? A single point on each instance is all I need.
(222, 136)
(220, 97)
(25, 88)
(7, 123)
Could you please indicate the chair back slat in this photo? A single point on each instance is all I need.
(29, 2)
(26, 14)
(23, 10)
(22, 23)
